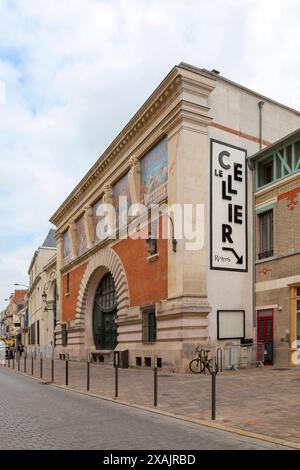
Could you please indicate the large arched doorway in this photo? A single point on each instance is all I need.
(104, 314)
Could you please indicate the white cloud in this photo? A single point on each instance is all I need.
(76, 70)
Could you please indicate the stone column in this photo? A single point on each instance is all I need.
(72, 238)
(88, 225)
(59, 266)
(134, 180)
(187, 308)
(188, 185)
(108, 199)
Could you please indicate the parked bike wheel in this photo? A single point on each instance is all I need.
(209, 366)
(196, 366)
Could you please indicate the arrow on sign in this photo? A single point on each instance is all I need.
(239, 258)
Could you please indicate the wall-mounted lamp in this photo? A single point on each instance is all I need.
(174, 241)
(44, 296)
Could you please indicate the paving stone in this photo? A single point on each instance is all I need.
(261, 400)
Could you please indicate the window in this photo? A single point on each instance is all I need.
(64, 334)
(32, 333)
(38, 331)
(149, 325)
(68, 284)
(266, 172)
(298, 317)
(266, 234)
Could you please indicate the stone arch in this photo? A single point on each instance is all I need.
(105, 260)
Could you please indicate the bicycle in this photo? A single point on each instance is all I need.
(201, 363)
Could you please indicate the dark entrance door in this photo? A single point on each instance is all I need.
(265, 333)
(104, 314)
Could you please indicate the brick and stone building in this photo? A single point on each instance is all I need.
(13, 317)
(277, 214)
(186, 145)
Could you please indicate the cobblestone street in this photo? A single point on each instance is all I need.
(261, 400)
(37, 416)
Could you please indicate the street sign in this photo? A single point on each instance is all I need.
(228, 207)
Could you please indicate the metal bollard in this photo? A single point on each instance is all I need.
(67, 370)
(155, 381)
(88, 374)
(116, 366)
(41, 366)
(25, 359)
(220, 359)
(9, 361)
(13, 360)
(52, 370)
(19, 361)
(31, 364)
(213, 390)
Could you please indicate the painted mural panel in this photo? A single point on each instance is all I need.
(81, 243)
(66, 245)
(121, 188)
(154, 174)
(96, 218)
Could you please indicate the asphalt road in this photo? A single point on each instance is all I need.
(34, 415)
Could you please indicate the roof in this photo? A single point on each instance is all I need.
(276, 145)
(50, 241)
(18, 296)
(217, 75)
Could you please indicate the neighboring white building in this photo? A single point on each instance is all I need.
(41, 316)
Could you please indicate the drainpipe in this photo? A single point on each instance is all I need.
(251, 167)
(260, 108)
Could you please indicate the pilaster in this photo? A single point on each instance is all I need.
(59, 266)
(134, 180)
(88, 225)
(188, 185)
(72, 237)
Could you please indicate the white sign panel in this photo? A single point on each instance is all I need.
(231, 324)
(228, 207)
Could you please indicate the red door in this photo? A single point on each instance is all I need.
(265, 333)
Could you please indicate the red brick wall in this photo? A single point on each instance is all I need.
(147, 281)
(69, 302)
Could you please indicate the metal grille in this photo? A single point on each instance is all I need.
(148, 361)
(106, 292)
(235, 355)
(149, 325)
(32, 333)
(64, 334)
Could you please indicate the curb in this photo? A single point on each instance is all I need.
(202, 422)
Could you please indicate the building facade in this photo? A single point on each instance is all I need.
(13, 317)
(42, 296)
(186, 147)
(277, 214)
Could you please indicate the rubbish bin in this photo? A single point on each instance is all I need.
(124, 359)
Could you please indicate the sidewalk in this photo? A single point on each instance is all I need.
(261, 400)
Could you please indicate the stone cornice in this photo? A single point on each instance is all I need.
(177, 80)
(273, 191)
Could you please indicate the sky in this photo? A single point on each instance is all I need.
(73, 72)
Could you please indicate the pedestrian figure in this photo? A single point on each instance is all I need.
(20, 349)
